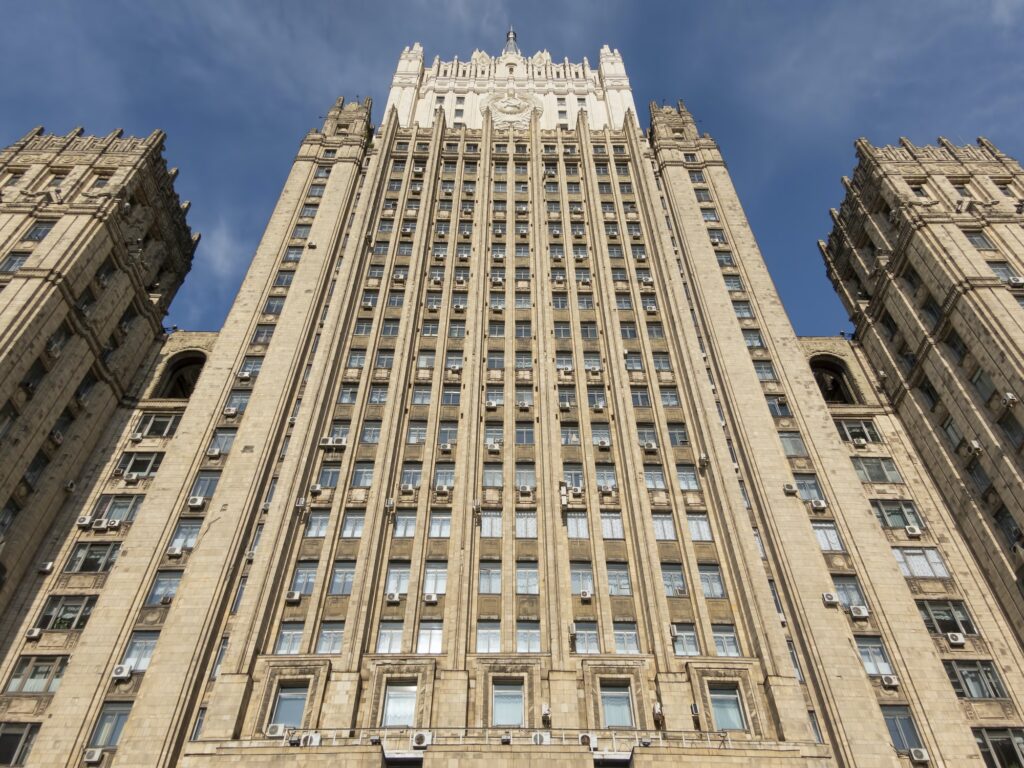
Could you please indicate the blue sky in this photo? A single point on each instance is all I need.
(785, 88)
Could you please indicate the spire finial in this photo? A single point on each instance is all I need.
(510, 42)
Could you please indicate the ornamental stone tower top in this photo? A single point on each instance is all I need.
(510, 89)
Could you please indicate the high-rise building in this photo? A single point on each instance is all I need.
(507, 451)
(927, 256)
(93, 247)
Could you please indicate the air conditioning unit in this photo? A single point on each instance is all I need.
(244, 375)
(84, 522)
(1009, 399)
(292, 597)
(446, 447)
(443, 490)
(576, 491)
(389, 503)
(367, 305)
(213, 453)
(300, 503)
(113, 525)
(45, 567)
(456, 369)
(497, 281)
(175, 552)
(790, 489)
(586, 595)
(859, 612)
(588, 739)
(607, 490)
(1016, 281)
(491, 405)
(913, 531)
(919, 756)
(421, 739)
(819, 505)
(522, 405)
(430, 598)
(166, 599)
(196, 502)
(131, 477)
(230, 412)
(315, 489)
(276, 731)
(57, 437)
(92, 756)
(393, 598)
(860, 442)
(956, 639)
(974, 447)
(650, 447)
(525, 490)
(407, 488)
(33, 634)
(890, 681)
(830, 599)
(493, 448)
(564, 407)
(136, 437)
(541, 738)
(99, 525)
(310, 739)
(122, 672)
(597, 407)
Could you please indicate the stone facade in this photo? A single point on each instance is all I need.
(508, 452)
(927, 256)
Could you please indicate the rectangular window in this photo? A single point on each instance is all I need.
(616, 705)
(901, 727)
(975, 679)
(920, 562)
(711, 580)
(627, 641)
(507, 704)
(290, 704)
(942, 616)
(726, 642)
(876, 469)
(873, 655)
(37, 675)
(726, 707)
(399, 705)
(828, 536)
(488, 637)
(110, 723)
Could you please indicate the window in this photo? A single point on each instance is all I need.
(765, 370)
(618, 580)
(527, 636)
(576, 525)
(440, 525)
(110, 723)
(304, 577)
(828, 536)
(13, 263)
(711, 580)
(526, 524)
(920, 562)
(95, 557)
(289, 704)
(848, 590)
(975, 679)
(389, 637)
(807, 486)
(435, 577)
(726, 707)
(507, 704)
(616, 705)
(405, 524)
(901, 727)
(16, 741)
(611, 526)
(687, 476)
(490, 578)
(123, 508)
(979, 240)
(778, 406)
(342, 577)
(726, 643)
(1000, 747)
(66, 612)
(352, 525)
(876, 469)
(585, 639)
(331, 635)
(37, 674)
(673, 579)
(857, 429)
(141, 463)
(752, 338)
(872, 653)
(397, 577)
(896, 513)
(664, 526)
(38, 231)
(430, 636)
(942, 616)
(627, 641)
(488, 637)
(685, 642)
(527, 578)
(399, 705)
(700, 526)
(793, 444)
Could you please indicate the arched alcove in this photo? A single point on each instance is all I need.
(180, 375)
(833, 380)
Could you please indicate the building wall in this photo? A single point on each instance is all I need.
(81, 307)
(531, 351)
(925, 254)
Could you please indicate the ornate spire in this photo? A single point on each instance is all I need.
(510, 43)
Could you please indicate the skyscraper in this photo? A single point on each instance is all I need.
(94, 246)
(507, 451)
(927, 257)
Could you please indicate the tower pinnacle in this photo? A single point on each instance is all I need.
(510, 43)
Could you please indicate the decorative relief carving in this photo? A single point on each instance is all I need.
(509, 110)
